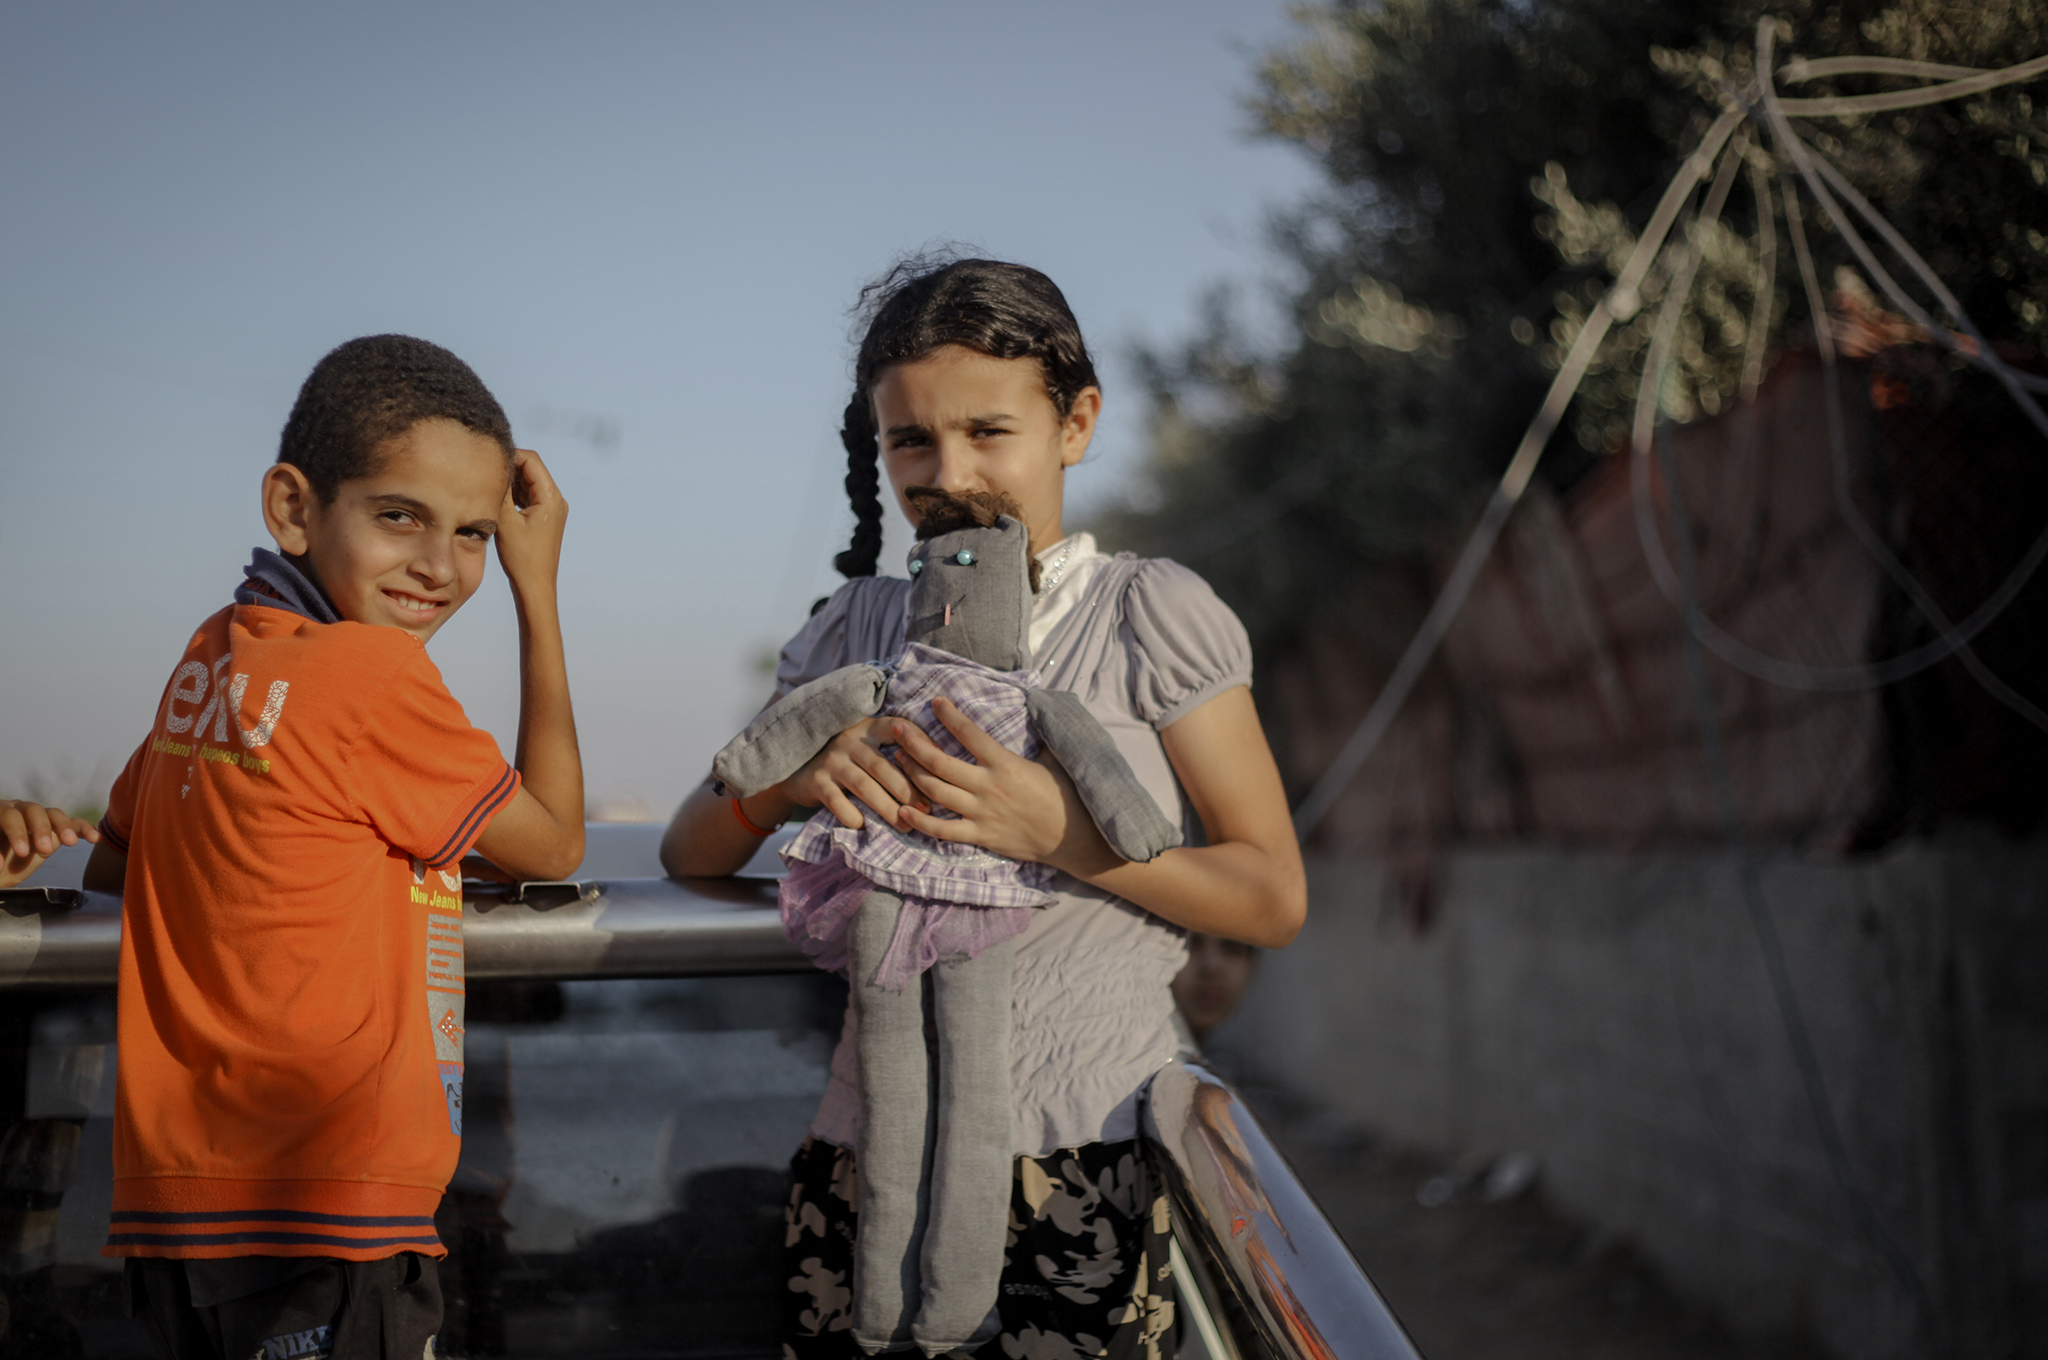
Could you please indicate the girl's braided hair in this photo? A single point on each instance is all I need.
(1006, 311)
(372, 389)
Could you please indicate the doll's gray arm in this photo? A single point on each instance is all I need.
(797, 726)
(1126, 814)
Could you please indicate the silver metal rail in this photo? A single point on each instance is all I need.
(62, 938)
(1263, 1254)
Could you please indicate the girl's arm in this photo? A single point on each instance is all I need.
(706, 840)
(1245, 884)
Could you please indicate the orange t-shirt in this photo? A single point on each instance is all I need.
(290, 1023)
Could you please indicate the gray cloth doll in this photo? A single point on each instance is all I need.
(894, 908)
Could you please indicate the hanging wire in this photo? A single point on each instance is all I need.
(1846, 105)
(1761, 104)
(1950, 639)
(1621, 302)
(1796, 151)
(1765, 287)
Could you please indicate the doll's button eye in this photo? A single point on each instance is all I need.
(965, 557)
(916, 565)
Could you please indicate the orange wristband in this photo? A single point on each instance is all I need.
(756, 830)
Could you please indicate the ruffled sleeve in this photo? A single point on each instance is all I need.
(1188, 647)
(862, 621)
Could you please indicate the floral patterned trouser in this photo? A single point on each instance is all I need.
(1085, 1266)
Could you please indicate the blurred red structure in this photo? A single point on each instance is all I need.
(1560, 709)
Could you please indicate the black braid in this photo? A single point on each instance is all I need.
(1006, 311)
(863, 488)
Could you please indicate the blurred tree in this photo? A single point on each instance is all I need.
(1488, 163)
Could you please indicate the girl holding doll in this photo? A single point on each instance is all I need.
(973, 377)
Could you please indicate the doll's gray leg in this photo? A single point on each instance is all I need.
(895, 1136)
(971, 1161)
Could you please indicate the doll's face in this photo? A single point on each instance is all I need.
(970, 594)
(962, 421)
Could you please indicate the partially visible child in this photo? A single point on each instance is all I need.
(1218, 973)
(30, 833)
(289, 839)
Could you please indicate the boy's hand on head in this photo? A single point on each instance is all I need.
(30, 833)
(539, 835)
(530, 525)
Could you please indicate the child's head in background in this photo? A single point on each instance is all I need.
(392, 473)
(971, 376)
(1214, 980)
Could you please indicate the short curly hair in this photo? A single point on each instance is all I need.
(372, 389)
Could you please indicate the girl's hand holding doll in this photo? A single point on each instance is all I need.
(851, 767)
(851, 776)
(1022, 809)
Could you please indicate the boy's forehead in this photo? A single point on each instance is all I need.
(443, 464)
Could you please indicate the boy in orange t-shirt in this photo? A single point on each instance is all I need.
(289, 838)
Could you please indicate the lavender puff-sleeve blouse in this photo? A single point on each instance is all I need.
(1142, 642)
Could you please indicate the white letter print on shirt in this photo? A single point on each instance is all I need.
(188, 686)
(216, 710)
(273, 709)
(192, 683)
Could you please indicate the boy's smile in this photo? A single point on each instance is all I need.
(405, 546)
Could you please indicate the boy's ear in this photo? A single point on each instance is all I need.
(1079, 426)
(287, 507)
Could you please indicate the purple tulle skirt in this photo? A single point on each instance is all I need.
(819, 902)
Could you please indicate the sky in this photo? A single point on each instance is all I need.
(643, 225)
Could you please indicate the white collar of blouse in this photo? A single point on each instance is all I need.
(1064, 568)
